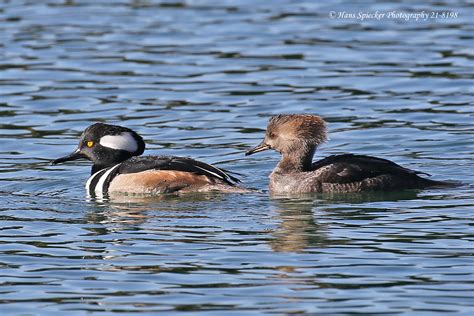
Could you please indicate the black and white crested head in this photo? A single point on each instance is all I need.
(106, 145)
(115, 137)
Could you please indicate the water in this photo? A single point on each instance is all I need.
(200, 79)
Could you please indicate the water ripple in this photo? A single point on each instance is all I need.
(200, 79)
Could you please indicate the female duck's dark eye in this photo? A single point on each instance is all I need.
(272, 135)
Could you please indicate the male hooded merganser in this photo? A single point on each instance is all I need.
(296, 138)
(113, 148)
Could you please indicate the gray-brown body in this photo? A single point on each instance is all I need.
(349, 173)
(297, 137)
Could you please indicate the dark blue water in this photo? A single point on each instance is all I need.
(200, 79)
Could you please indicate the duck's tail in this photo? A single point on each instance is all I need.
(428, 183)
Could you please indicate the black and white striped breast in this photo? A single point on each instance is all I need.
(98, 184)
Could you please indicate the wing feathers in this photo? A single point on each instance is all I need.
(138, 164)
(349, 168)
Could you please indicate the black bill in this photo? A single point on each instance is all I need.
(73, 156)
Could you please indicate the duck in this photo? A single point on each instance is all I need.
(118, 167)
(297, 137)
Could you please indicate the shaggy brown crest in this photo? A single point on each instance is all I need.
(310, 128)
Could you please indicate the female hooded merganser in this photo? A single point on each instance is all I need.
(115, 170)
(297, 137)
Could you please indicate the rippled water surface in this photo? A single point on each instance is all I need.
(200, 79)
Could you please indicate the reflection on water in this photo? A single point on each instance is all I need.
(298, 228)
(133, 209)
(200, 79)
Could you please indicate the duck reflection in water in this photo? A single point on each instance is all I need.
(299, 230)
(137, 210)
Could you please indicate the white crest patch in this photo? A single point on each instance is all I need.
(124, 141)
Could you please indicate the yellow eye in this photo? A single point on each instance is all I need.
(90, 143)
